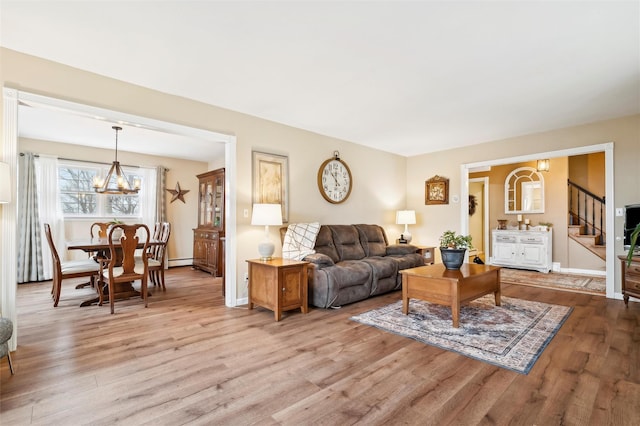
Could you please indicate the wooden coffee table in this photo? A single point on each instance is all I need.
(436, 284)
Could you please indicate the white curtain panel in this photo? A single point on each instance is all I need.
(147, 196)
(29, 259)
(50, 209)
(161, 195)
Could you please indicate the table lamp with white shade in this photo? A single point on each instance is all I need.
(266, 214)
(406, 218)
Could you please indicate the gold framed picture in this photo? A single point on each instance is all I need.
(271, 180)
(436, 190)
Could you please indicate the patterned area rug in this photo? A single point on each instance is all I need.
(511, 336)
(570, 282)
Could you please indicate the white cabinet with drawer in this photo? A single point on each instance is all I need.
(522, 249)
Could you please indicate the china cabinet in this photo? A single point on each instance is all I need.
(208, 237)
(522, 249)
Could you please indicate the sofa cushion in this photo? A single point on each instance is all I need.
(385, 274)
(373, 240)
(319, 259)
(349, 281)
(325, 245)
(400, 249)
(347, 242)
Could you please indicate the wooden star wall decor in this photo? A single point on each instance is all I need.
(178, 193)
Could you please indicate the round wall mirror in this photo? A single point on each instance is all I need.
(524, 191)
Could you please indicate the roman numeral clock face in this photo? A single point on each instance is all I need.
(334, 180)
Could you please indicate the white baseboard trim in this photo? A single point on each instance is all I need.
(180, 262)
(583, 272)
(242, 301)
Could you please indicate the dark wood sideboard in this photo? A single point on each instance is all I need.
(630, 278)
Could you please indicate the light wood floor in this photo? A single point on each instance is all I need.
(188, 359)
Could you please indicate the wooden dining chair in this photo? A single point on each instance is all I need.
(157, 230)
(156, 255)
(132, 268)
(68, 269)
(99, 229)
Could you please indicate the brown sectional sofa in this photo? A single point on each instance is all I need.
(354, 262)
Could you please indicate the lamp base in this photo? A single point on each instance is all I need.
(266, 249)
(407, 237)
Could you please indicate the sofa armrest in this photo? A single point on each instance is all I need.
(400, 249)
(319, 259)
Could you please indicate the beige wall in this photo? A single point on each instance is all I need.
(379, 177)
(182, 216)
(588, 172)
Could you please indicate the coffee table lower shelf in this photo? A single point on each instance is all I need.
(436, 284)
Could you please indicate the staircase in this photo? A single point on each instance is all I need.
(587, 219)
(590, 242)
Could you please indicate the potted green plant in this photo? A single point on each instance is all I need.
(453, 247)
(545, 225)
(633, 242)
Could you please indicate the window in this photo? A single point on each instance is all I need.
(78, 198)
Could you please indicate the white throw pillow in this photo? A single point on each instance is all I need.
(300, 240)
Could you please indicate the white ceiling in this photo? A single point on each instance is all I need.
(404, 77)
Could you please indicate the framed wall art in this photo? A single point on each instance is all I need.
(436, 190)
(270, 175)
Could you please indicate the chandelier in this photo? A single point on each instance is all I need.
(116, 181)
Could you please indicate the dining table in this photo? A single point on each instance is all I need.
(102, 248)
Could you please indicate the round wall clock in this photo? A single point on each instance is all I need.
(334, 179)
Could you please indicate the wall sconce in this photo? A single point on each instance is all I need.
(543, 165)
(5, 183)
(266, 214)
(406, 218)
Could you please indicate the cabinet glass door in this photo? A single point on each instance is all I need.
(218, 200)
(208, 204)
(202, 204)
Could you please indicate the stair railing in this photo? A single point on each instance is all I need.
(587, 210)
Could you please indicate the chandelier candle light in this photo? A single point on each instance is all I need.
(406, 218)
(122, 183)
(266, 214)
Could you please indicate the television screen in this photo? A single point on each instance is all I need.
(631, 220)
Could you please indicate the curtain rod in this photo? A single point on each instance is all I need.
(87, 161)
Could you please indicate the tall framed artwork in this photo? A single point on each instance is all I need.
(270, 176)
(436, 190)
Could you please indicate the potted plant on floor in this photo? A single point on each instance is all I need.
(453, 247)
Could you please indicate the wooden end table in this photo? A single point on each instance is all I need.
(436, 284)
(278, 284)
(428, 252)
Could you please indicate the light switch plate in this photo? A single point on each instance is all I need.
(619, 211)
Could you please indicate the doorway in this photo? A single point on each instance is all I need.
(479, 217)
(12, 98)
(607, 148)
